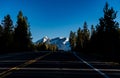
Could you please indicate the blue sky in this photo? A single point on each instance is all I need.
(55, 18)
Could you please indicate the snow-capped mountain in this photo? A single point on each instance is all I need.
(61, 42)
(44, 39)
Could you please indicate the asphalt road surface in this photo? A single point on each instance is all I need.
(54, 65)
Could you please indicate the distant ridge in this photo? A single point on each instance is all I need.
(61, 42)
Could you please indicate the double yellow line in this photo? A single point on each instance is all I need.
(9, 71)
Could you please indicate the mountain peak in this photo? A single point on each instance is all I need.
(45, 39)
(61, 42)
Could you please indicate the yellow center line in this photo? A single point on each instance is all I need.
(6, 75)
(9, 71)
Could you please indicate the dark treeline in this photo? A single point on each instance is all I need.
(103, 39)
(15, 38)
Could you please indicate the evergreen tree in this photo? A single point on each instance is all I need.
(92, 42)
(79, 40)
(1, 38)
(86, 35)
(72, 40)
(7, 33)
(106, 40)
(92, 30)
(1, 31)
(22, 33)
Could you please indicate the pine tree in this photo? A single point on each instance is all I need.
(7, 33)
(106, 39)
(86, 35)
(22, 33)
(72, 40)
(1, 38)
(79, 40)
(92, 30)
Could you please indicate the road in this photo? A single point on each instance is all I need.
(54, 65)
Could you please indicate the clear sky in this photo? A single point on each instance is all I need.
(56, 18)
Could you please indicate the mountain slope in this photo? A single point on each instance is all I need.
(61, 42)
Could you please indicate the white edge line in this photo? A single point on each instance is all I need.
(97, 70)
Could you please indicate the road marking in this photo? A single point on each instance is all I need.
(9, 71)
(70, 69)
(6, 74)
(97, 70)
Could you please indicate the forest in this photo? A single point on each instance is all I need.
(102, 39)
(18, 38)
(15, 38)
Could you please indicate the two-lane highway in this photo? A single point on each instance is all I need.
(14, 62)
(54, 65)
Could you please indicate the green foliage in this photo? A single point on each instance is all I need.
(79, 40)
(52, 47)
(18, 38)
(106, 38)
(15, 39)
(72, 40)
(1, 38)
(46, 47)
(7, 33)
(22, 33)
(86, 35)
(93, 31)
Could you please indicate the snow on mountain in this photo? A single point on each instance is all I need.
(44, 39)
(61, 42)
